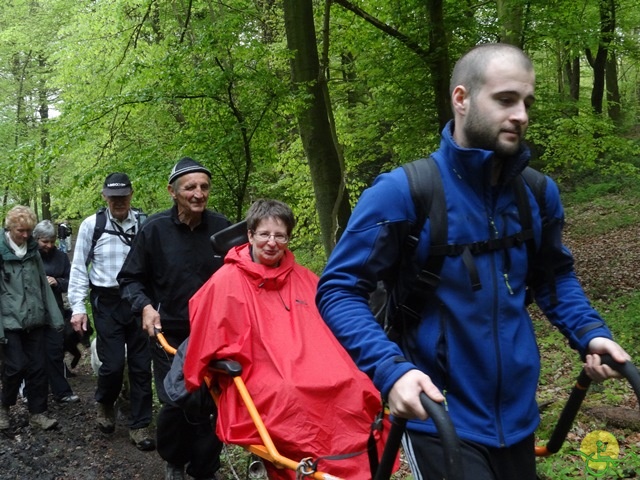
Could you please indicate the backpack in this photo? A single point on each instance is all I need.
(410, 294)
(100, 228)
(63, 231)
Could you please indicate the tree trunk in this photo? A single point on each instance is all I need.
(574, 78)
(569, 66)
(43, 109)
(436, 56)
(332, 200)
(599, 63)
(439, 61)
(510, 15)
(613, 91)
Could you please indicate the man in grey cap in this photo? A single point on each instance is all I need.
(170, 260)
(103, 242)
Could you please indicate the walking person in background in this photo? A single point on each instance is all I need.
(27, 307)
(103, 242)
(469, 341)
(170, 260)
(57, 268)
(64, 236)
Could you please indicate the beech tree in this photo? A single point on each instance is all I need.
(314, 121)
(303, 101)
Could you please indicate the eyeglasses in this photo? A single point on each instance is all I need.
(280, 238)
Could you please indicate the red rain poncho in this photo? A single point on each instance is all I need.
(312, 398)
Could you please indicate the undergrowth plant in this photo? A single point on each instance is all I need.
(615, 204)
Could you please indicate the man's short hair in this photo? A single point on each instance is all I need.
(469, 70)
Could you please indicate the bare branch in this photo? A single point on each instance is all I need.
(401, 37)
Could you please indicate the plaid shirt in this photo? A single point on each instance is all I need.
(108, 256)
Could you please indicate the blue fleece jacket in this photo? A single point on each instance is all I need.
(477, 346)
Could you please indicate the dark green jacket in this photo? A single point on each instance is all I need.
(26, 300)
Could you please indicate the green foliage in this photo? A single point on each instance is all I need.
(616, 198)
(560, 367)
(622, 315)
(133, 85)
(571, 148)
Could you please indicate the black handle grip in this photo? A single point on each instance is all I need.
(448, 436)
(579, 391)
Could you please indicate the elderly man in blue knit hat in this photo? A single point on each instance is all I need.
(170, 260)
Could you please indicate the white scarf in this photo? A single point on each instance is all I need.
(19, 251)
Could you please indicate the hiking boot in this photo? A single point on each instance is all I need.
(40, 420)
(141, 439)
(73, 398)
(4, 418)
(106, 418)
(173, 472)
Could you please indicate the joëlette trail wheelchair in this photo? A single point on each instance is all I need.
(382, 468)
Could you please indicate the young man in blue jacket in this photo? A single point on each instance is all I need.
(474, 344)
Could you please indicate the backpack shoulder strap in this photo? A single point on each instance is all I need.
(427, 193)
(141, 217)
(537, 182)
(98, 230)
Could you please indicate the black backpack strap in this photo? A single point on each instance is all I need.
(524, 214)
(427, 193)
(101, 227)
(98, 230)
(537, 182)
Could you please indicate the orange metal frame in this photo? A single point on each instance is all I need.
(267, 450)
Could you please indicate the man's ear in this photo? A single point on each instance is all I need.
(460, 100)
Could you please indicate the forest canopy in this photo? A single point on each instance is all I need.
(304, 101)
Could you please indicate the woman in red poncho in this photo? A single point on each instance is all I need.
(259, 310)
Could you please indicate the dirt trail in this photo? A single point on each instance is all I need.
(76, 450)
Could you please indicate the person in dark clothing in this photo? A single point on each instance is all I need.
(171, 258)
(58, 268)
(64, 236)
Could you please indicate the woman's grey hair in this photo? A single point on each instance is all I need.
(44, 230)
(20, 216)
(265, 208)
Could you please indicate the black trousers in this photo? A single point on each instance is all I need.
(54, 346)
(183, 439)
(425, 454)
(24, 359)
(116, 327)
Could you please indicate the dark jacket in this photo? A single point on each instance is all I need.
(26, 300)
(57, 265)
(477, 346)
(168, 263)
